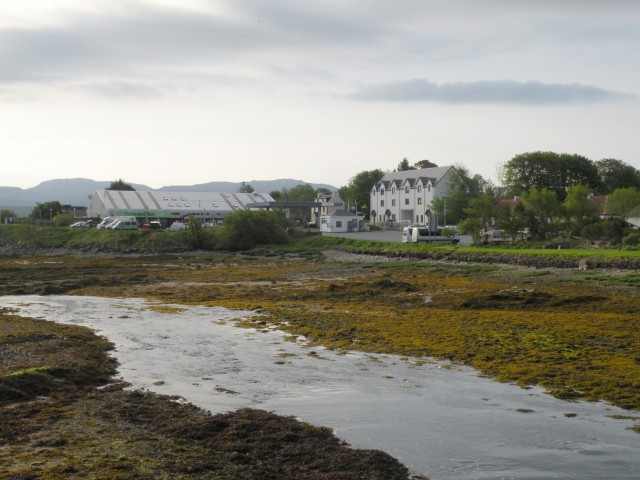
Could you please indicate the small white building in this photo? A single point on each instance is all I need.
(167, 206)
(341, 221)
(328, 205)
(332, 215)
(407, 196)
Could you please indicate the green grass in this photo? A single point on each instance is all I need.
(318, 243)
(311, 246)
(630, 280)
(56, 237)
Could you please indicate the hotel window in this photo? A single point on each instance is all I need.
(338, 224)
(419, 200)
(393, 190)
(382, 203)
(419, 188)
(406, 201)
(429, 188)
(382, 192)
(406, 189)
(393, 202)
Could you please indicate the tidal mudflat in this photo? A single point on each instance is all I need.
(339, 339)
(435, 417)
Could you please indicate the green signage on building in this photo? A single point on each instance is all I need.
(143, 214)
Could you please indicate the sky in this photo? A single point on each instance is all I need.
(183, 92)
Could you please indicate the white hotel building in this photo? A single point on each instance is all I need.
(406, 196)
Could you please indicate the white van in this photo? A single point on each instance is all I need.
(417, 234)
(106, 221)
(124, 225)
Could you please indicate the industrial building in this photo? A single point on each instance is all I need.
(168, 206)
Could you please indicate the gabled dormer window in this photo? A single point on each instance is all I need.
(393, 190)
(406, 189)
(382, 191)
(419, 188)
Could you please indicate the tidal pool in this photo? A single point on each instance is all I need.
(438, 419)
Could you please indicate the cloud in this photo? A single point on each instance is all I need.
(131, 43)
(483, 92)
(123, 90)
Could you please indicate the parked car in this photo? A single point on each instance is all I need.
(86, 224)
(178, 225)
(493, 235)
(153, 225)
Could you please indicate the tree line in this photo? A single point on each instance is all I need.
(542, 192)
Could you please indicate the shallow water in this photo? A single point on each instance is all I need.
(444, 421)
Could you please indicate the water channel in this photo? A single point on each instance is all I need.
(445, 421)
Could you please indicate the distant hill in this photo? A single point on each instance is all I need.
(77, 191)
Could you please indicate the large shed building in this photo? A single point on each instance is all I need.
(168, 206)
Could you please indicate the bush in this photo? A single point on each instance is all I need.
(613, 230)
(592, 232)
(245, 229)
(62, 220)
(631, 240)
(197, 235)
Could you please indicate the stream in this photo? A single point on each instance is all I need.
(441, 420)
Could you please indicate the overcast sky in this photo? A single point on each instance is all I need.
(191, 91)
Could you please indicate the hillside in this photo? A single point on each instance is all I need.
(78, 191)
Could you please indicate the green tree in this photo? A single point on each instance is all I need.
(62, 220)
(450, 209)
(245, 229)
(616, 174)
(480, 212)
(553, 171)
(301, 193)
(46, 210)
(404, 165)
(580, 211)
(276, 195)
(545, 209)
(6, 213)
(424, 164)
(120, 184)
(196, 233)
(245, 188)
(624, 202)
(358, 189)
(513, 219)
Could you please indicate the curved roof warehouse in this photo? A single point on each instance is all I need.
(168, 205)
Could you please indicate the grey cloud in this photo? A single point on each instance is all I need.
(123, 89)
(497, 92)
(120, 44)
